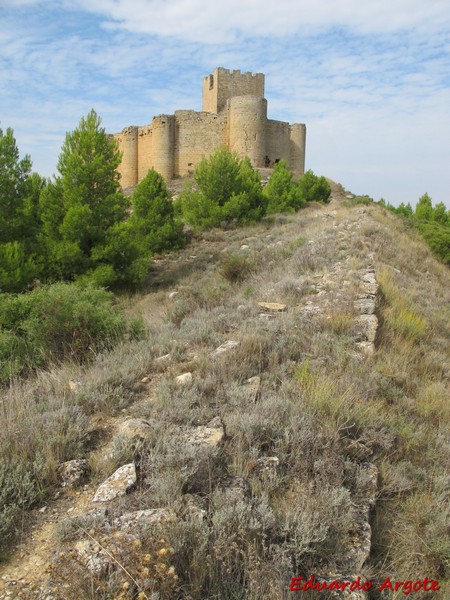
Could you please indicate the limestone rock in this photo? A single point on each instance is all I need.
(93, 557)
(162, 359)
(117, 484)
(71, 473)
(365, 306)
(272, 306)
(136, 520)
(134, 428)
(211, 434)
(184, 379)
(367, 326)
(225, 347)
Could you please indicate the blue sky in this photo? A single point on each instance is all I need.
(371, 80)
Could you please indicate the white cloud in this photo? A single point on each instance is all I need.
(212, 22)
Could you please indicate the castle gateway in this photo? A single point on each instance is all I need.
(234, 115)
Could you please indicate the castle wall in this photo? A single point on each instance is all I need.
(247, 119)
(278, 145)
(128, 145)
(197, 134)
(145, 151)
(298, 147)
(224, 84)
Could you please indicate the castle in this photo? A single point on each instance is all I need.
(234, 115)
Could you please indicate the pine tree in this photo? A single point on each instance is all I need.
(152, 221)
(19, 220)
(282, 191)
(84, 212)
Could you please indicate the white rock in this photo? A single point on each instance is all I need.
(184, 379)
(228, 345)
(117, 485)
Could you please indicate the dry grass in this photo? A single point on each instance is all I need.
(320, 406)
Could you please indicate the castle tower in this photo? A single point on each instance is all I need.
(224, 84)
(247, 119)
(128, 145)
(298, 147)
(163, 141)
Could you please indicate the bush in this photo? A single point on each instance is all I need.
(282, 191)
(437, 237)
(314, 188)
(56, 322)
(228, 189)
(152, 221)
(235, 267)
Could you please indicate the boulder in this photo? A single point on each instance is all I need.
(134, 428)
(118, 484)
(72, 472)
(184, 379)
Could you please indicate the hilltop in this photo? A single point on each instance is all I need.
(286, 416)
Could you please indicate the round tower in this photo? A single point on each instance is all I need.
(163, 141)
(247, 118)
(128, 145)
(298, 144)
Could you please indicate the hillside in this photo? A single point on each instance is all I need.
(287, 416)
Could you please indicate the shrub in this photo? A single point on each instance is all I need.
(228, 189)
(314, 188)
(437, 237)
(152, 221)
(282, 191)
(55, 322)
(234, 267)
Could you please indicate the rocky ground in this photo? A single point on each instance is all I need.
(339, 292)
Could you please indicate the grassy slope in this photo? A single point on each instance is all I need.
(320, 404)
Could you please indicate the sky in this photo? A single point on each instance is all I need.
(369, 78)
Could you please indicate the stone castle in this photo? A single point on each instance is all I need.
(234, 115)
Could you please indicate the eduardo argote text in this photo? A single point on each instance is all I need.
(299, 584)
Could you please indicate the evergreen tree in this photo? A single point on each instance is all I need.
(19, 219)
(84, 212)
(152, 221)
(282, 191)
(424, 208)
(441, 214)
(314, 188)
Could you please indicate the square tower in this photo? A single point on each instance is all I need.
(224, 84)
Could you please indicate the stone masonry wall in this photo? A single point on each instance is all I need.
(196, 135)
(278, 144)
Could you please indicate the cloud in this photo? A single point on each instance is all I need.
(370, 82)
(212, 22)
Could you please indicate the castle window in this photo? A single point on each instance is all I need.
(211, 82)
